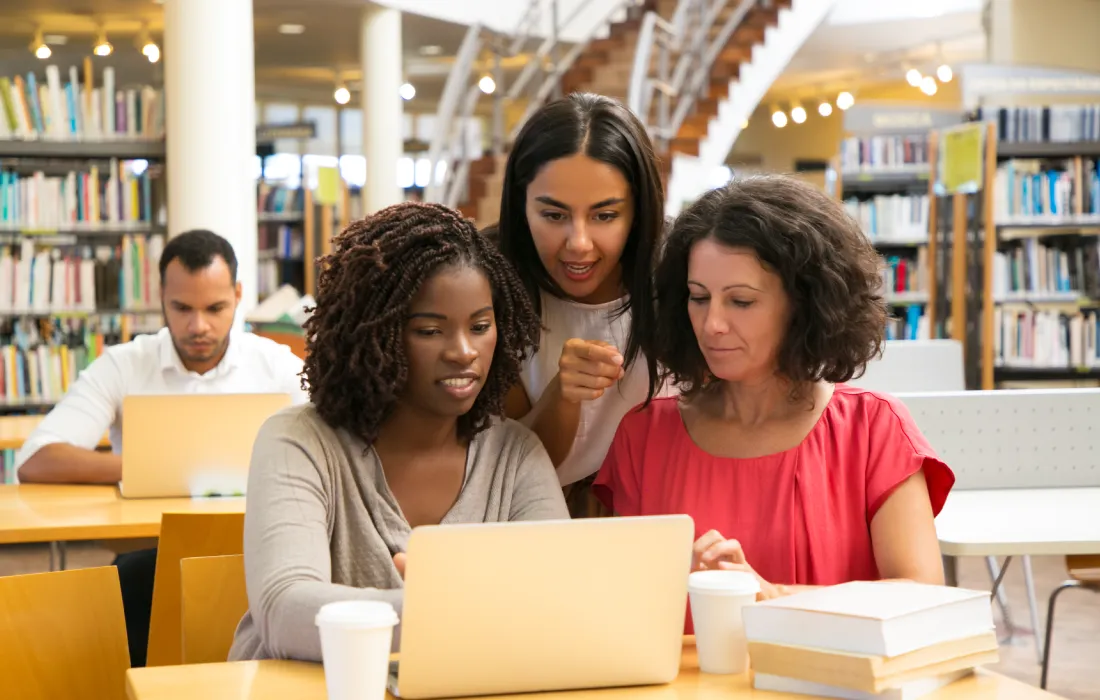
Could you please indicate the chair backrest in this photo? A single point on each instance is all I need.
(182, 536)
(916, 365)
(63, 635)
(1028, 438)
(213, 601)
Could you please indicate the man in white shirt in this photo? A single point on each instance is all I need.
(197, 352)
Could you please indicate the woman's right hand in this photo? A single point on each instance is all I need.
(587, 368)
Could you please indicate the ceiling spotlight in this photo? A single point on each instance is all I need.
(407, 91)
(944, 73)
(292, 28)
(39, 47)
(430, 50)
(779, 119)
(487, 85)
(824, 109)
(845, 100)
(913, 77)
(928, 85)
(798, 114)
(149, 48)
(744, 124)
(342, 95)
(102, 46)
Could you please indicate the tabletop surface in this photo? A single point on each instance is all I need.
(14, 431)
(52, 512)
(270, 680)
(1020, 521)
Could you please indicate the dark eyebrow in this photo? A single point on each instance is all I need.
(443, 317)
(598, 205)
(727, 287)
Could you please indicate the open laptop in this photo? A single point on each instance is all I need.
(541, 606)
(179, 445)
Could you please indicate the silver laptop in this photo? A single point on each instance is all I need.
(541, 606)
(179, 445)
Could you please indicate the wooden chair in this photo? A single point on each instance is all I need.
(63, 636)
(1084, 572)
(183, 536)
(213, 601)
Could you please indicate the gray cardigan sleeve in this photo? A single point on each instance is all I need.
(286, 541)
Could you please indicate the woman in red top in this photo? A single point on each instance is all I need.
(768, 300)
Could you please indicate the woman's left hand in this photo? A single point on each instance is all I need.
(399, 560)
(713, 551)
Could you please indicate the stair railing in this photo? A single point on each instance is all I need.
(674, 58)
(538, 81)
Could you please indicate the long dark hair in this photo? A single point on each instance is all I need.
(604, 130)
(355, 365)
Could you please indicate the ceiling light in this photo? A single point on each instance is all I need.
(913, 77)
(149, 48)
(430, 50)
(845, 100)
(798, 114)
(944, 73)
(744, 124)
(292, 28)
(407, 91)
(39, 47)
(102, 46)
(824, 109)
(342, 95)
(487, 85)
(928, 85)
(779, 118)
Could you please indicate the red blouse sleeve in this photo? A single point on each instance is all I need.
(618, 483)
(898, 450)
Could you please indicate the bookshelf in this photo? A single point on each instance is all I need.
(82, 225)
(883, 179)
(1040, 246)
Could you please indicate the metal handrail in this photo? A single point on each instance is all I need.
(537, 81)
(685, 39)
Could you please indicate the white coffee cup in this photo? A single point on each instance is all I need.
(717, 597)
(355, 646)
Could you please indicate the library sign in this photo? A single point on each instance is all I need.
(266, 133)
(981, 82)
(898, 119)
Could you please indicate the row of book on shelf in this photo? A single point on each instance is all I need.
(273, 198)
(42, 280)
(905, 275)
(1046, 338)
(72, 107)
(1035, 268)
(127, 192)
(892, 218)
(884, 153)
(1032, 190)
(1044, 124)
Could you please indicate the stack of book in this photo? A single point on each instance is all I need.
(870, 640)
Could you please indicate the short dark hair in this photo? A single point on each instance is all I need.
(604, 130)
(356, 365)
(196, 250)
(829, 269)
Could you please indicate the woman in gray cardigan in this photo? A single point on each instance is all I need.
(418, 333)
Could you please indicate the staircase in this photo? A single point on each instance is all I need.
(761, 36)
(704, 142)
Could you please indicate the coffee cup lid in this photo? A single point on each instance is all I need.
(359, 614)
(719, 582)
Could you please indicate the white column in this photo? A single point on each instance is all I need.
(210, 119)
(383, 126)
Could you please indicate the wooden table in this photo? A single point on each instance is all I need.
(271, 680)
(57, 513)
(14, 431)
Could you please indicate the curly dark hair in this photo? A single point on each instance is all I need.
(356, 365)
(829, 269)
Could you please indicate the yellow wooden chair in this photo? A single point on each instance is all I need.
(213, 601)
(63, 635)
(183, 536)
(1084, 572)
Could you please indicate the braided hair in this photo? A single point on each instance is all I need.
(356, 366)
